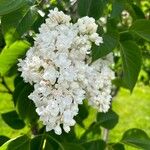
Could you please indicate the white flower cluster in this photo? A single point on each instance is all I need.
(58, 66)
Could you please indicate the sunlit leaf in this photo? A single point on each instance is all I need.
(10, 55)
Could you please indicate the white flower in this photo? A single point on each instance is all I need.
(96, 38)
(87, 25)
(57, 17)
(58, 65)
(50, 74)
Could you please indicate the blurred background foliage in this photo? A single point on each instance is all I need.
(125, 27)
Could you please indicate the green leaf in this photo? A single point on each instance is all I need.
(20, 143)
(13, 120)
(9, 56)
(54, 142)
(17, 91)
(116, 146)
(110, 41)
(72, 146)
(3, 139)
(17, 80)
(7, 6)
(142, 28)
(37, 142)
(95, 145)
(25, 106)
(112, 25)
(17, 23)
(137, 138)
(126, 36)
(117, 8)
(139, 13)
(91, 8)
(108, 120)
(49, 146)
(83, 114)
(2, 42)
(131, 58)
(92, 133)
(71, 137)
(52, 145)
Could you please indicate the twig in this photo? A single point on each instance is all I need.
(34, 129)
(41, 2)
(106, 131)
(105, 136)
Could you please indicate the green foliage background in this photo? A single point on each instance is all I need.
(126, 35)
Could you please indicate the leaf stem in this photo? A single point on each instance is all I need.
(6, 86)
(122, 32)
